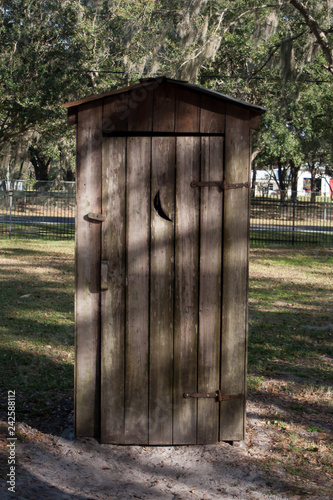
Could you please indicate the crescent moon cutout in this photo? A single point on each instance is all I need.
(159, 209)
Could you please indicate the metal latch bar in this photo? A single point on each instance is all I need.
(217, 395)
(97, 217)
(222, 185)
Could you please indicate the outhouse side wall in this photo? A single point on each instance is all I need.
(87, 309)
(235, 273)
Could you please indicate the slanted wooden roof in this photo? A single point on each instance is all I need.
(151, 82)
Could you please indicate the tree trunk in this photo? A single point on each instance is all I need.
(40, 163)
(282, 182)
(294, 173)
(20, 171)
(68, 174)
(313, 182)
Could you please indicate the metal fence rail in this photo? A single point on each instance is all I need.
(293, 222)
(44, 212)
(38, 212)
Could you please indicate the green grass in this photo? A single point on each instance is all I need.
(290, 360)
(282, 237)
(290, 352)
(291, 313)
(38, 231)
(37, 328)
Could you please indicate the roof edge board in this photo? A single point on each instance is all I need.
(152, 83)
(96, 97)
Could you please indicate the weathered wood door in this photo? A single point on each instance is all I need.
(161, 300)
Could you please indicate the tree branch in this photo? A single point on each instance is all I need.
(227, 28)
(272, 51)
(256, 152)
(317, 31)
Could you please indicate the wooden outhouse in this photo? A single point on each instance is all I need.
(162, 232)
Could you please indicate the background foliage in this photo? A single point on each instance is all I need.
(278, 55)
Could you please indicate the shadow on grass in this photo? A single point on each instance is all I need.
(43, 388)
(58, 261)
(37, 333)
(39, 231)
(37, 292)
(291, 325)
(290, 356)
(302, 352)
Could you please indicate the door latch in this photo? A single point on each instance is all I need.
(96, 217)
(222, 185)
(217, 395)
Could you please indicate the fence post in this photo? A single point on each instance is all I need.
(294, 216)
(10, 212)
(325, 210)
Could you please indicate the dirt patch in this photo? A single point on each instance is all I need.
(61, 468)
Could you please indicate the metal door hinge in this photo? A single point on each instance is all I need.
(222, 185)
(217, 395)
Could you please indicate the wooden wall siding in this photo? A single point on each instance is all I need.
(212, 116)
(161, 292)
(113, 298)
(187, 111)
(89, 163)
(137, 289)
(209, 341)
(235, 274)
(186, 270)
(186, 290)
(164, 109)
(173, 305)
(115, 113)
(140, 110)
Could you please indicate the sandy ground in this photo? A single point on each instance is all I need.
(61, 468)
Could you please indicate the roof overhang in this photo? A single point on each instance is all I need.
(151, 83)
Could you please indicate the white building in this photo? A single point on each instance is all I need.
(324, 184)
(266, 183)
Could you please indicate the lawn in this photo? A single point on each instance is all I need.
(290, 362)
(290, 351)
(37, 329)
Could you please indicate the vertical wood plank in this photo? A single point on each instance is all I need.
(87, 337)
(137, 292)
(186, 290)
(212, 119)
(210, 289)
(115, 113)
(113, 299)
(161, 293)
(140, 105)
(235, 274)
(164, 108)
(187, 111)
